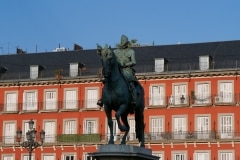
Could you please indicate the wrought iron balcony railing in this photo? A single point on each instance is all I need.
(150, 137)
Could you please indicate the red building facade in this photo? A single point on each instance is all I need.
(188, 115)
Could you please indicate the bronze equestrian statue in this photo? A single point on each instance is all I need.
(117, 93)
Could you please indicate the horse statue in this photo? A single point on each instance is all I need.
(116, 96)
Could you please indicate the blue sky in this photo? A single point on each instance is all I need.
(41, 25)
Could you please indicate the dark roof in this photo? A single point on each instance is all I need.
(181, 57)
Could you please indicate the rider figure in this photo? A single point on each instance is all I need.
(126, 59)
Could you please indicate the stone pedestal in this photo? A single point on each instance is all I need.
(122, 152)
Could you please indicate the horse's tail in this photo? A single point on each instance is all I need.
(139, 115)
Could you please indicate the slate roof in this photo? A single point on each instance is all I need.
(181, 57)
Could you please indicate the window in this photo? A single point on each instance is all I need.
(159, 154)
(179, 156)
(116, 131)
(201, 155)
(71, 99)
(11, 101)
(180, 94)
(203, 128)
(157, 95)
(160, 64)
(50, 131)
(69, 157)
(90, 126)
(202, 95)
(8, 157)
(179, 127)
(91, 97)
(226, 126)
(156, 127)
(34, 72)
(86, 156)
(204, 62)
(26, 157)
(225, 92)
(30, 100)
(132, 134)
(9, 132)
(50, 100)
(26, 128)
(70, 127)
(49, 157)
(73, 69)
(226, 155)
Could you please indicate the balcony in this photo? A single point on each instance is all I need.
(162, 137)
(150, 102)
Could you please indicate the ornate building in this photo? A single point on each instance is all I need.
(192, 101)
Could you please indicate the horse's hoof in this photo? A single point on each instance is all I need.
(123, 143)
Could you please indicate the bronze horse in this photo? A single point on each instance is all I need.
(116, 96)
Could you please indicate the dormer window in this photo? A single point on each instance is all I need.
(204, 62)
(74, 69)
(160, 64)
(35, 70)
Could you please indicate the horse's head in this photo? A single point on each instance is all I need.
(107, 58)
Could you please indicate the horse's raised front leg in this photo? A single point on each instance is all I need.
(110, 125)
(118, 114)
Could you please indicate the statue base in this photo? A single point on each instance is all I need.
(122, 152)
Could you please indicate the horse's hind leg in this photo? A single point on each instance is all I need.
(125, 122)
(110, 125)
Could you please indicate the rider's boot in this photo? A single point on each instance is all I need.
(100, 102)
(134, 96)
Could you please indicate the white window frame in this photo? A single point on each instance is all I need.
(228, 155)
(183, 155)
(180, 90)
(50, 130)
(70, 126)
(26, 128)
(49, 156)
(203, 125)
(159, 65)
(158, 154)
(116, 131)
(50, 97)
(226, 129)
(90, 125)
(30, 100)
(66, 155)
(225, 91)
(85, 156)
(8, 157)
(132, 133)
(203, 93)
(26, 157)
(73, 67)
(180, 123)
(202, 154)
(204, 62)
(11, 100)
(34, 69)
(157, 94)
(156, 127)
(71, 98)
(9, 132)
(91, 97)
